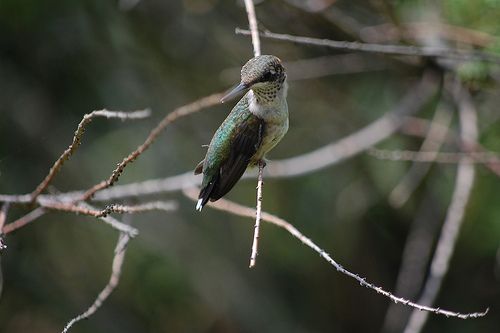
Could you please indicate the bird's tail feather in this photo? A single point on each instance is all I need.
(205, 194)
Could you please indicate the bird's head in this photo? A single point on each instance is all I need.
(260, 72)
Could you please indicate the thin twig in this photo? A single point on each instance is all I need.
(420, 51)
(258, 213)
(180, 112)
(114, 223)
(252, 23)
(24, 220)
(418, 30)
(114, 279)
(77, 138)
(240, 210)
(166, 206)
(113, 208)
(456, 211)
(435, 156)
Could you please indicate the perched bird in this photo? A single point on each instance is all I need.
(254, 126)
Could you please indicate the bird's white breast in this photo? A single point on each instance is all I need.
(275, 115)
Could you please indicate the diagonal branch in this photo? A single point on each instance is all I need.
(77, 139)
(240, 210)
(180, 112)
(420, 51)
(24, 220)
(114, 279)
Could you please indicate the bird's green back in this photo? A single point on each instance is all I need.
(220, 146)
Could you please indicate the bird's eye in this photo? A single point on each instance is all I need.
(266, 77)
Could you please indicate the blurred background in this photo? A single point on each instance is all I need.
(186, 271)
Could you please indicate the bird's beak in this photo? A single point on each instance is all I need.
(235, 92)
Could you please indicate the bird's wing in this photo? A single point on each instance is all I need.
(246, 139)
(230, 151)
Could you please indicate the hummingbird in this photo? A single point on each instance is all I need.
(253, 127)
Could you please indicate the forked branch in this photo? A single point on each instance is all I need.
(113, 208)
(180, 112)
(77, 139)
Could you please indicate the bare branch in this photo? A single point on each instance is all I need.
(15, 198)
(166, 206)
(435, 137)
(435, 156)
(114, 208)
(114, 279)
(240, 210)
(73, 208)
(420, 51)
(252, 23)
(258, 213)
(22, 221)
(418, 30)
(77, 138)
(114, 223)
(83, 208)
(180, 112)
(451, 227)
